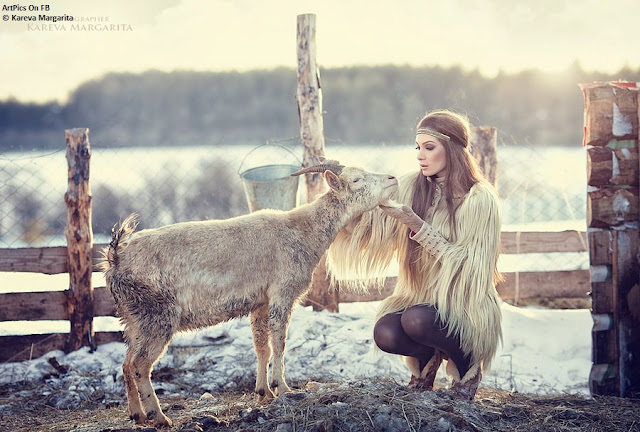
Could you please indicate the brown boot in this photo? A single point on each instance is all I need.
(466, 387)
(424, 381)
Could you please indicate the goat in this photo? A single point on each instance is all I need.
(196, 274)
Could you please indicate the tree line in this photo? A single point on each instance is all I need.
(362, 105)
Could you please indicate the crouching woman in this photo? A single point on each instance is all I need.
(446, 236)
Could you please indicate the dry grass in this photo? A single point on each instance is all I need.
(352, 406)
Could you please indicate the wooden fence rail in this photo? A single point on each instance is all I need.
(53, 305)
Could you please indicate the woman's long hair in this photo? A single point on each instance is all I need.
(462, 173)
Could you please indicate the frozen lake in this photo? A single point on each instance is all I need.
(543, 187)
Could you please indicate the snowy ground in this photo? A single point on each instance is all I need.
(545, 351)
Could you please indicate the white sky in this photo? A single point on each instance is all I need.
(40, 63)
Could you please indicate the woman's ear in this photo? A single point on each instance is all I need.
(333, 180)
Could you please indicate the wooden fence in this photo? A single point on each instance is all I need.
(55, 305)
(48, 305)
(81, 302)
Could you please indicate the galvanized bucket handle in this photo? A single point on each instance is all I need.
(263, 145)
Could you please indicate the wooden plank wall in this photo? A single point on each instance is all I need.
(611, 140)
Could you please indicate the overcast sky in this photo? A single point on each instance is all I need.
(42, 63)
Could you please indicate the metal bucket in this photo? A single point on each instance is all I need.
(270, 187)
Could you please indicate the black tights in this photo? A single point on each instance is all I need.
(417, 332)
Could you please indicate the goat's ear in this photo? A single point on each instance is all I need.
(333, 180)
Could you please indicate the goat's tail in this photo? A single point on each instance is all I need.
(119, 234)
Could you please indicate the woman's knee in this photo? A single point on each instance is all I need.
(385, 334)
(418, 320)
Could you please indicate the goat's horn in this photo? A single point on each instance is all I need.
(335, 168)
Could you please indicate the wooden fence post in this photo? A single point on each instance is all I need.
(309, 97)
(611, 139)
(484, 147)
(79, 236)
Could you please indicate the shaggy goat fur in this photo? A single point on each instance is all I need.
(197, 274)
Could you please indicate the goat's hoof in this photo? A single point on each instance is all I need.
(265, 396)
(162, 422)
(139, 418)
(282, 389)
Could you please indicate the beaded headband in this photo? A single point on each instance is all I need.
(429, 131)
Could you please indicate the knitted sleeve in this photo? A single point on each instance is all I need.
(431, 240)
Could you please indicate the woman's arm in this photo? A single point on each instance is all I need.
(480, 216)
(421, 231)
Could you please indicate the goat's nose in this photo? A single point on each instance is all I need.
(391, 177)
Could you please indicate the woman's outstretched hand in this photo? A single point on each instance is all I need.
(404, 214)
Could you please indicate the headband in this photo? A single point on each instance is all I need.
(429, 131)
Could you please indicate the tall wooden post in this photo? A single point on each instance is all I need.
(79, 236)
(611, 139)
(309, 97)
(484, 147)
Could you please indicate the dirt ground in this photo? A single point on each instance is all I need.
(357, 405)
(351, 406)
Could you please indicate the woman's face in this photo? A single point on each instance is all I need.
(432, 156)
